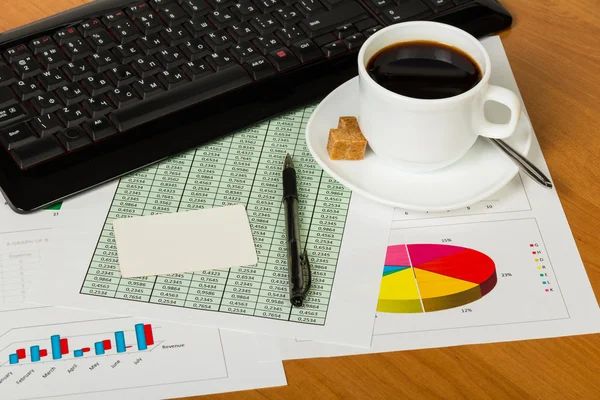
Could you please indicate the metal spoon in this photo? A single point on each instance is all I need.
(523, 163)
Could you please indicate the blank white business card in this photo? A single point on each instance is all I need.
(189, 241)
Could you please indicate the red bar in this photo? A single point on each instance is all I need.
(85, 349)
(43, 352)
(64, 346)
(128, 347)
(148, 334)
(107, 345)
(21, 354)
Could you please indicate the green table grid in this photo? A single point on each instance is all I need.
(242, 168)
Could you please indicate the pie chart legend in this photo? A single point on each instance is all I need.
(433, 277)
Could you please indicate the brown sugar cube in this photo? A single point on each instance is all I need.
(348, 124)
(346, 145)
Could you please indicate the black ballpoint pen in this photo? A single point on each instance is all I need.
(298, 265)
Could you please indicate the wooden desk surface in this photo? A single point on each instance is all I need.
(553, 50)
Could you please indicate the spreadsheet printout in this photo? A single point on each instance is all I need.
(344, 235)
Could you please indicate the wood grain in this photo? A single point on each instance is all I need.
(553, 50)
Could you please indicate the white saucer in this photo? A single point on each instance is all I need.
(479, 174)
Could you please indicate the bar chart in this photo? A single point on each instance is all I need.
(60, 347)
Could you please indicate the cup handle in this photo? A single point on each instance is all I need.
(509, 99)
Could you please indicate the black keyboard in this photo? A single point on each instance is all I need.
(113, 86)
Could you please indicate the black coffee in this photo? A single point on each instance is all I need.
(424, 70)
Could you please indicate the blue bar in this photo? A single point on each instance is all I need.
(99, 347)
(35, 353)
(120, 339)
(140, 336)
(78, 353)
(13, 359)
(55, 341)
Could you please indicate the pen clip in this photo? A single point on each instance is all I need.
(306, 272)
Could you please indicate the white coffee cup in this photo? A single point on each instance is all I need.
(421, 134)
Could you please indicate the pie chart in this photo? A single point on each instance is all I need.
(433, 277)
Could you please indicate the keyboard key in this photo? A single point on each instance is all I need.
(41, 44)
(220, 60)
(345, 30)
(220, 4)
(99, 128)
(147, 87)
(198, 27)
(194, 49)
(365, 24)
(76, 48)
(327, 21)
(195, 7)
(101, 40)
(36, 152)
(218, 40)
(77, 70)
(221, 19)
(6, 76)
(146, 66)
(150, 44)
(46, 125)
(309, 7)
(17, 135)
(333, 49)
(287, 16)
(16, 53)
(73, 138)
(52, 79)
(186, 95)
(123, 96)
(71, 93)
(127, 53)
(160, 4)
(290, 35)
(173, 15)
(172, 78)
(243, 52)
(114, 18)
(102, 61)
(64, 34)
(283, 59)
(405, 11)
(52, 57)
(266, 44)
(7, 97)
(175, 36)
(149, 23)
(97, 106)
(379, 5)
(196, 69)
(121, 75)
(241, 31)
(26, 89)
(244, 10)
(88, 27)
(13, 114)
(372, 30)
(27, 67)
(137, 10)
(125, 31)
(45, 103)
(265, 23)
(440, 5)
(354, 41)
(72, 115)
(324, 39)
(266, 6)
(259, 68)
(170, 58)
(331, 4)
(306, 50)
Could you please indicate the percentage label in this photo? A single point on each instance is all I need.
(464, 310)
(505, 274)
(446, 240)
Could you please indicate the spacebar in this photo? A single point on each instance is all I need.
(181, 97)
